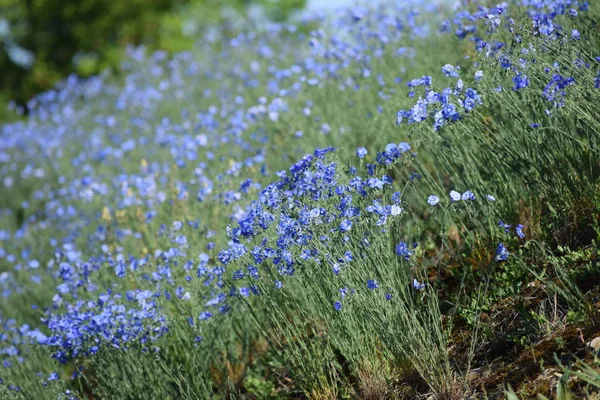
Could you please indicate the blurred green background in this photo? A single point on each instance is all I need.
(43, 41)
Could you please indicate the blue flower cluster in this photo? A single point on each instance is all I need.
(444, 106)
(315, 203)
(452, 103)
(85, 326)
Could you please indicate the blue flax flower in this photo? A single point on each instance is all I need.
(416, 285)
(502, 252)
(433, 200)
(346, 225)
(372, 284)
(403, 251)
(454, 195)
(519, 230)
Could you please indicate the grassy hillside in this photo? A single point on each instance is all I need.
(403, 203)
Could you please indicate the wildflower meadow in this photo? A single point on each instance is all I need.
(397, 200)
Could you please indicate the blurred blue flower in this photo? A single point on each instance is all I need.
(372, 284)
(502, 253)
(345, 225)
(402, 250)
(468, 195)
(433, 200)
(519, 230)
(416, 285)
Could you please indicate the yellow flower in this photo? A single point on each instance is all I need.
(106, 214)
